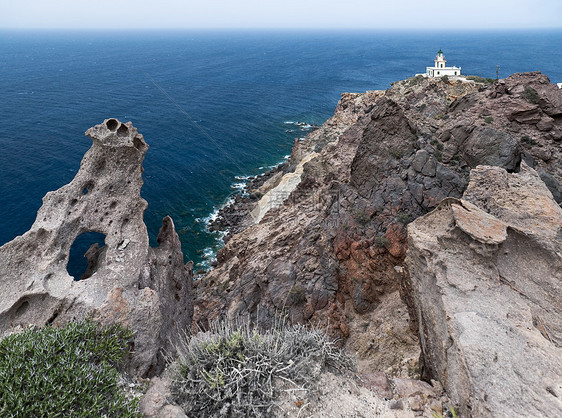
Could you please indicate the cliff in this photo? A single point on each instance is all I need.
(329, 250)
(418, 223)
(327, 240)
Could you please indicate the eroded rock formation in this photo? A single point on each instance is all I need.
(485, 280)
(146, 288)
(332, 253)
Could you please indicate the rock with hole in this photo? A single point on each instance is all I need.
(148, 289)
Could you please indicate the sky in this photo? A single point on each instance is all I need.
(280, 14)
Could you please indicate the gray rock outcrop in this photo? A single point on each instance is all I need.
(384, 159)
(148, 289)
(485, 285)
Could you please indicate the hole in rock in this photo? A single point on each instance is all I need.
(52, 318)
(84, 255)
(123, 130)
(88, 188)
(112, 124)
(137, 143)
(22, 308)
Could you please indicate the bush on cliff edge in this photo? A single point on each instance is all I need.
(67, 371)
(234, 370)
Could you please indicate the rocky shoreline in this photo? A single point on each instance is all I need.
(236, 215)
(419, 226)
(333, 252)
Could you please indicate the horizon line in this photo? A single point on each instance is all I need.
(284, 29)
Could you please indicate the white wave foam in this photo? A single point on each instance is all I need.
(239, 186)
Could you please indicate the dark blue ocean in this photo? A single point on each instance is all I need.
(213, 106)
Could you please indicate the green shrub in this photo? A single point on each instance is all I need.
(531, 95)
(381, 241)
(397, 152)
(527, 139)
(68, 371)
(488, 119)
(437, 144)
(232, 370)
(457, 158)
(403, 218)
(361, 216)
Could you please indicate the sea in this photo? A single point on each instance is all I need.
(215, 107)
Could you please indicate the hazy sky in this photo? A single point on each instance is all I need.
(361, 14)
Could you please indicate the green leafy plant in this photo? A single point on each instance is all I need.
(232, 370)
(67, 371)
(489, 119)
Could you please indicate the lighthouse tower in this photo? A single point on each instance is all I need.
(440, 68)
(440, 61)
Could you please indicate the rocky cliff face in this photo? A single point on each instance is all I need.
(148, 289)
(331, 251)
(484, 275)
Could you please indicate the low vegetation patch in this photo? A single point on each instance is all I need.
(68, 371)
(414, 81)
(403, 218)
(480, 79)
(361, 216)
(489, 119)
(381, 241)
(233, 370)
(528, 140)
(531, 95)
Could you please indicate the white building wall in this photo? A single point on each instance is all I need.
(440, 72)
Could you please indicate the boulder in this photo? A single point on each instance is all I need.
(487, 146)
(148, 289)
(484, 288)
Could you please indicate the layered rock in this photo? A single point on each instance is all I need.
(148, 289)
(485, 275)
(331, 253)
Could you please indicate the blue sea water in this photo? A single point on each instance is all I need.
(213, 106)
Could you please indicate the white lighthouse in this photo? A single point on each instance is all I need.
(440, 68)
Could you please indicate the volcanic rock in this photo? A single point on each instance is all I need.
(148, 289)
(384, 159)
(484, 276)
